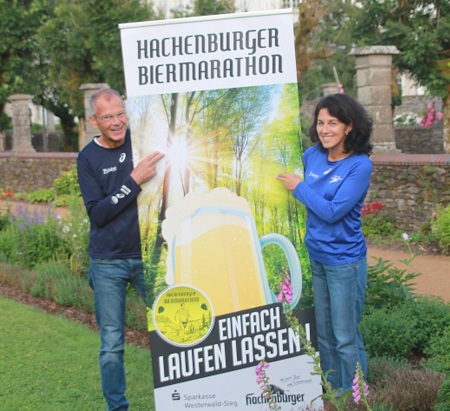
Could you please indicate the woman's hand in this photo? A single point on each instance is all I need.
(290, 180)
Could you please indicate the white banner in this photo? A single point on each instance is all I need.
(219, 234)
(208, 53)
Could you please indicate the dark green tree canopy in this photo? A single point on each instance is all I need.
(419, 29)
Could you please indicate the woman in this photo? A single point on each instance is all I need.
(337, 177)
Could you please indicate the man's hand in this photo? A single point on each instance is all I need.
(290, 180)
(146, 169)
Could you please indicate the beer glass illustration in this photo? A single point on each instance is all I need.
(213, 245)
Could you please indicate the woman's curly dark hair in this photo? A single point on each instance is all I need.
(348, 111)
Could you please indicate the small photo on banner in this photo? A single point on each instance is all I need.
(222, 240)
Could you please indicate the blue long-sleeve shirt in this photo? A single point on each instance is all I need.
(109, 195)
(333, 193)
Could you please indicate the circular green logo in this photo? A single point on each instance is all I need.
(182, 315)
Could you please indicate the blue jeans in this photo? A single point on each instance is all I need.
(110, 279)
(339, 293)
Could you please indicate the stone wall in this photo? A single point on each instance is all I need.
(410, 186)
(420, 140)
(55, 141)
(24, 172)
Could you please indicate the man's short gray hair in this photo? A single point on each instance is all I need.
(102, 92)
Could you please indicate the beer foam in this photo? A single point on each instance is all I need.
(219, 196)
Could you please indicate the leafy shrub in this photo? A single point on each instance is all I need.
(32, 238)
(73, 291)
(438, 352)
(441, 229)
(44, 195)
(67, 183)
(48, 275)
(388, 285)
(75, 232)
(380, 224)
(6, 246)
(406, 329)
(432, 317)
(443, 396)
(5, 221)
(388, 333)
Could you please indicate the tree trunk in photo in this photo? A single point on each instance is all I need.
(159, 240)
(81, 130)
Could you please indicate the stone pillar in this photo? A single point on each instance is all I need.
(21, 117)
(50, 121)
(329, 88)
(89, 132)
(373, 78)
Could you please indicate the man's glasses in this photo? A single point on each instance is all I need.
(107, 118)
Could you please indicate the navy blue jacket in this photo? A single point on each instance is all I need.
(110, 194)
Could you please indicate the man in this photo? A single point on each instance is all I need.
(110, 185)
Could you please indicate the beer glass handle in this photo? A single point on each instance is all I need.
(295, 269)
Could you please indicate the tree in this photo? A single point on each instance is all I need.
(19, 22)
(322, 44)
(211, 7)
(81, 44)
(49, 48)
(421, 32)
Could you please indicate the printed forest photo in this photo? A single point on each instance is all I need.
(215, 216)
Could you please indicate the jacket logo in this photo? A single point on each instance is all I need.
(109, 170)
(335, 179)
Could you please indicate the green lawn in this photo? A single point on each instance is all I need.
(50, 363)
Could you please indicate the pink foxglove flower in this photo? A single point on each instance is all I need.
(359, 388)
(286, 292)
(260, 371)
